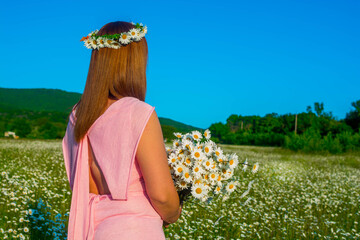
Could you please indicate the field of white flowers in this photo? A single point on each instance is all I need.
(294, 196)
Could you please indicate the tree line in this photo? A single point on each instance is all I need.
(312, 130)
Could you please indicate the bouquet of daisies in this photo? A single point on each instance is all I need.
(200, 168)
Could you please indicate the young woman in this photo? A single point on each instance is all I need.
(114, 151)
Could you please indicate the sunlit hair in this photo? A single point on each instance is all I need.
(113, 73)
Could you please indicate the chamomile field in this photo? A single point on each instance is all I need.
(293, 196)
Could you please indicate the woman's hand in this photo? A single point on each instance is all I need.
(166, 224)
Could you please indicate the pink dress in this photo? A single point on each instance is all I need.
(127, 212)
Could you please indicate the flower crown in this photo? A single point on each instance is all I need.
(93, 41)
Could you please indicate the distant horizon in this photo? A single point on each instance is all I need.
(224, 121)
(206, 59)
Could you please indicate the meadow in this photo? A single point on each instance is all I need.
(294, 196)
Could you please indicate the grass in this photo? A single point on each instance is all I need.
(294, 196)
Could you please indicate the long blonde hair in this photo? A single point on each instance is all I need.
(113, 73)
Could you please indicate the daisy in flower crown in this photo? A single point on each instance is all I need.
(95, 41)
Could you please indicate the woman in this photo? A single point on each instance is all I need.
(114, 152)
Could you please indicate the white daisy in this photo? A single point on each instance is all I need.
(196, 135)
(208, 163)
(176, 143)
(233, 160)
(208, 148)
(197, 154)
(230, 187)
(186, 176)
(125, 38)
(187, 161)
(187, 136)
(178, 135)
(188, 144)
(217, 190)
(87, 43)
(197, 171)
(245, 165)
(198, 190)
(182, 184)
(172, 159)
(179, 168)
(213, 176)
(93, 43)
(255, 168)
(207, 134)
(26, 229)
(218, 151)
(134, 34)
(101, 42)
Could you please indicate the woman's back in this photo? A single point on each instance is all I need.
(118, 205)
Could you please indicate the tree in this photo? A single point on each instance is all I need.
(353, 117)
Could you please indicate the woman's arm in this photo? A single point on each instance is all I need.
(152, 159)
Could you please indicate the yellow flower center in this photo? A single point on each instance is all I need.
(187, 175)
(188, 160)
(197, 181)
(213, 175)
(173, 160)
(124, 36)
(196, 136)
(197, 154)
(196, 169)
(180, 169)
(217, 153)
(133, 33)
(231, 162)
(231, 186)
(198, 190)
(206, 149)
(208, 163)
(177, 143)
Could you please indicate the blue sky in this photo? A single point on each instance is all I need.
(207, 59)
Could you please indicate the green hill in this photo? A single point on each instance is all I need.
(37, 99)
(42, 113)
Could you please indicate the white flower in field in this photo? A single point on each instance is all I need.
(179, 151)
(198, 190)
(3, 174)
(172, 159)
(186, 176)
(255, 168)
(233, 160)
(1, 230)
(207, 134)
(208, 163)
(10, 230)
(26, 229)
(21, 220)
(21, 236)
(197, 154)
(176, 143)
(208, 148)
(245, 165)
(178, 135)
(179, 168)
(230, 187)
(30, 211)
(213, 176)
(124, 38)
(187, 144)
(197, 171)
(217, 189)
(187, 161)
(218, 151)
(187, 136)
(228, 174)
(182, 184)
(196, 135)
